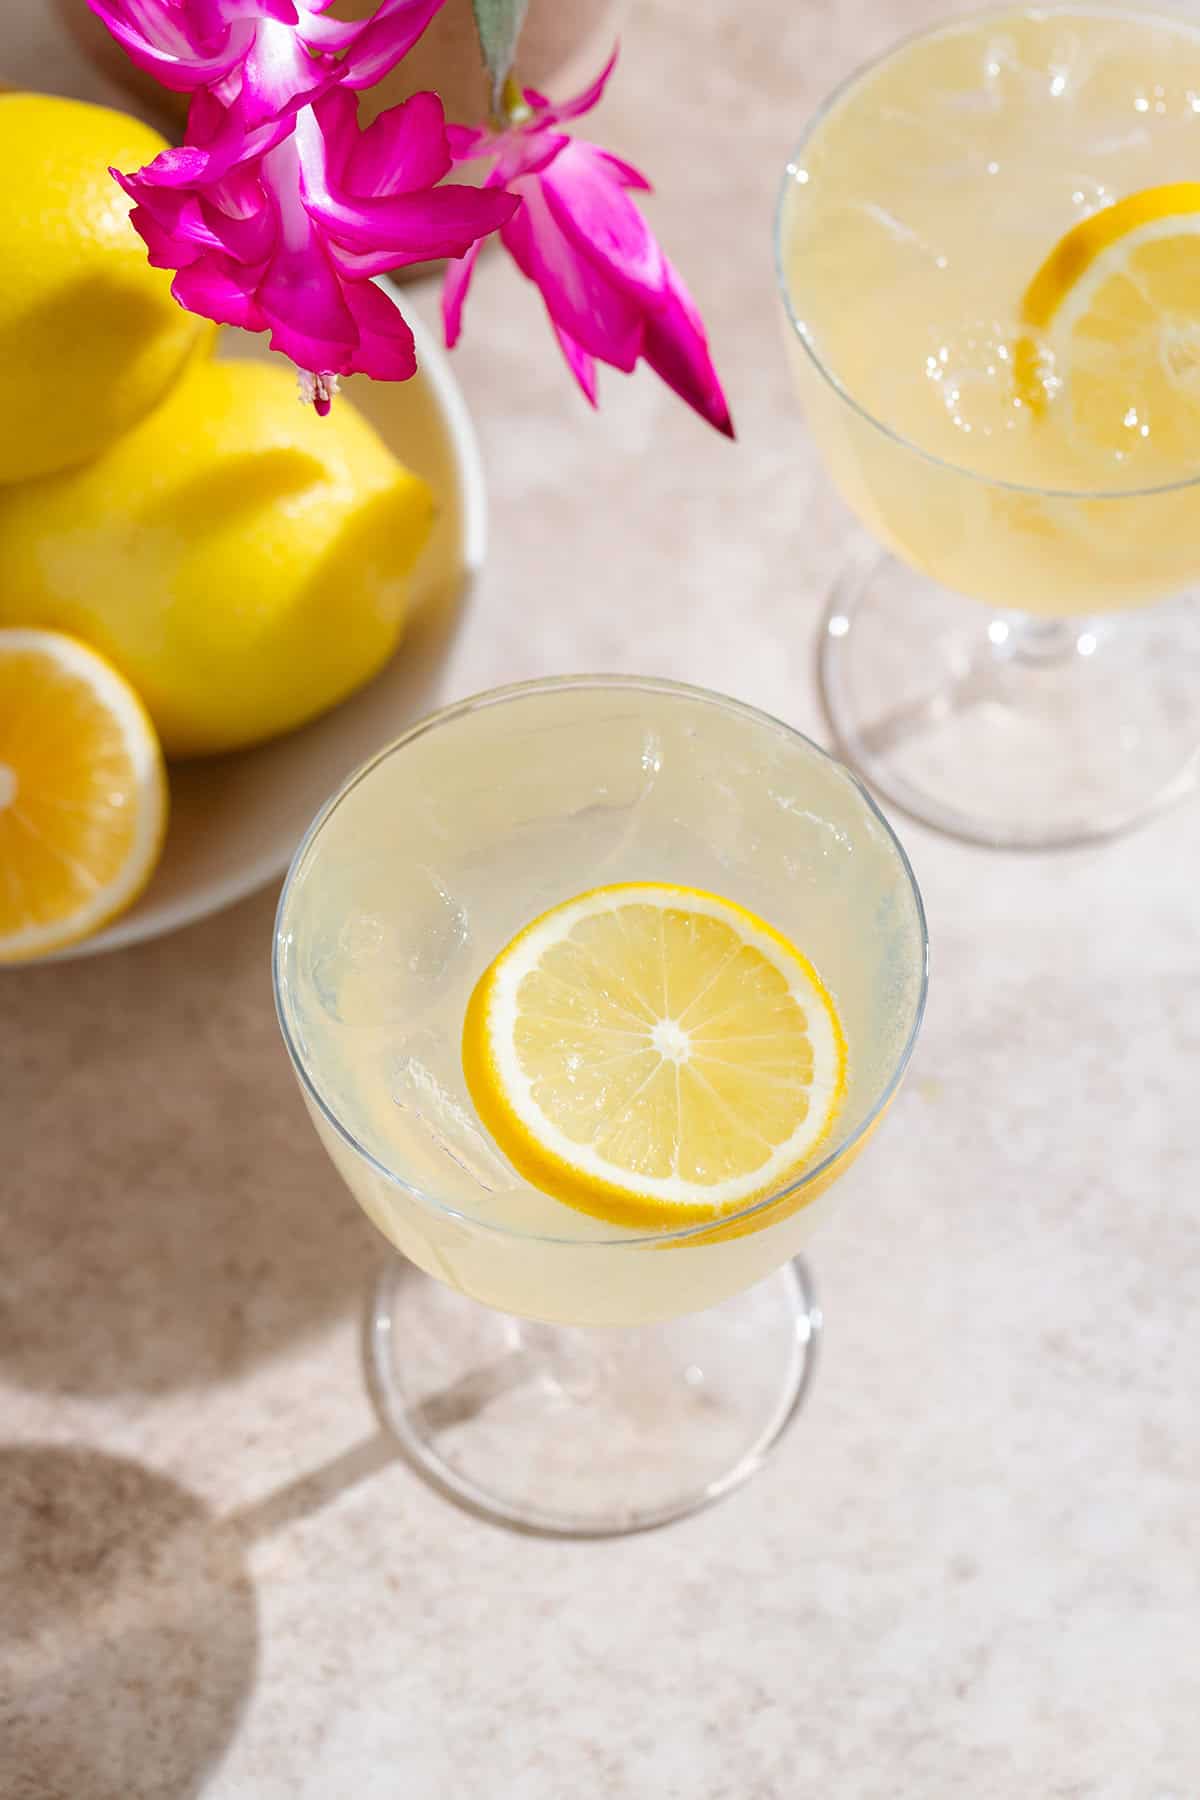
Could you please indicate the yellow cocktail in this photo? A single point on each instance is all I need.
(602, 809)
(989, 253)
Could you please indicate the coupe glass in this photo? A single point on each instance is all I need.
(987, 663)
(551, 1370)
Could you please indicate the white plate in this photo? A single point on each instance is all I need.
(235, 820)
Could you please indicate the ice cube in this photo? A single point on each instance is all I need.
(447, 1124)
(440, 931)
(370, 967)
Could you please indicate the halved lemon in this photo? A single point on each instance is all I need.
(83, 793)
(654, 1055)
(1117, 301)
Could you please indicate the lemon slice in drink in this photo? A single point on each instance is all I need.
(654, 1055)
(83, 793)
(1118, 303)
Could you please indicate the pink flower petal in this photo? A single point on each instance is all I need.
(177, 167)
(407, 228)
(229, 11)
(375, 232)
(302, 298)
(403, 149)
(454, 293)
(466, 142)
(279, 75)
(164, 250)
(373, 47)
(595, 213)
(177, 213)
(676, 348)
(529, 152)
(156, 37)
(321, 356)
(604, 319)
(625, 172)
(248, 233)
(217, 289)
(582, 103)
(385, 349)
(581, 365)
(219, 137)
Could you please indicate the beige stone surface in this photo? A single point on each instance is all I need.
(972, 1568)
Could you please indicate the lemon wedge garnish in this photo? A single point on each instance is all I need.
(83, 793)
(654, 1055)
(1117, 301)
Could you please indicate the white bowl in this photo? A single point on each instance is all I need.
(235, 820)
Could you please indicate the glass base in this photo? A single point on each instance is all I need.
(1005, 728)
(588, 1432)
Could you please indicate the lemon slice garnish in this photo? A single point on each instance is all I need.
(83, 793)
(1118, 303)
(654, 1055)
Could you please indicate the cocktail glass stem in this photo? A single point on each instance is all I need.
(588, 1431)
(1010, 728)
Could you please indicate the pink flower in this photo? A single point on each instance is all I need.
(187, 44)
(261, 59)
(611, 294)
(287, 241)
(277, 48)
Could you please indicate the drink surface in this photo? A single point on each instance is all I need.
(919, 209)
(449, 846)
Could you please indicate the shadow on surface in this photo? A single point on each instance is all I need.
(169, 1216)
(130, 1634)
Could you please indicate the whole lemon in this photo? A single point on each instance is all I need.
(90, 338)
(242, 562)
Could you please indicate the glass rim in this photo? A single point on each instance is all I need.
(556, 684)
(953, 22)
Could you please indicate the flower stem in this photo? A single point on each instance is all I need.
(514, 108)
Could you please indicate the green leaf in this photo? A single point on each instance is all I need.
(499, 25)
